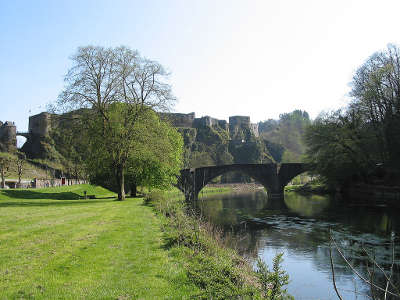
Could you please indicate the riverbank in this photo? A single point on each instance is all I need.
(236, 187)
(361, 193)
(374, 194)
(55, 245)
(211, 265)
(309, 189)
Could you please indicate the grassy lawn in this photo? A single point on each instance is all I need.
(54, 245)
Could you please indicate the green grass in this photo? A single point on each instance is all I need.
(215, 190)
(54, 245)
(309, 188)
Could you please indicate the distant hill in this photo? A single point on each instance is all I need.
(286, 135)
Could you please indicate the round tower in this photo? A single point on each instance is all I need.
(8, 135)
(39, 125)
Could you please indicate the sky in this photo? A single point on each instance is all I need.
(257, 58)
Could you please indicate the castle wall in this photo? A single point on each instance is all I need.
(239, 121)
(190, 121)
(40, 124)
(205, 121)
(254, 129)
(178, 119)
(8, 136)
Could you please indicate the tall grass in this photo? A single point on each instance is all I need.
(211, 265)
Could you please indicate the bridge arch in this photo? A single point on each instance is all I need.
(273, 177)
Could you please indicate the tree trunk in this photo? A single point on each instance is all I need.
(19, 179)
(121, 183)
(3, 181)
(133, 190)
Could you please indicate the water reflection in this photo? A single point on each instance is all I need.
(299, 226)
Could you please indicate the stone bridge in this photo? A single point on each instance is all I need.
(274, 177)
(24, 134)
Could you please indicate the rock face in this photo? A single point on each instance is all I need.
(8, 136)
(212, 142)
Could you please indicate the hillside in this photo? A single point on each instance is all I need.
(285, 135)
(55, 141)
(210, 141)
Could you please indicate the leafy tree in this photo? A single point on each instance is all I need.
(153, 159)
(376, 98)
(288, 132)
(347, 146)
(275, 149)
(158, 157)
(342, 147)
(103, 77)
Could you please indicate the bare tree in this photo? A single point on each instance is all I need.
(389, 288)
(376, 97)
(20, 162)
(5, 164)
(101, 77)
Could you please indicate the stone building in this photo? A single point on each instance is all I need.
(8, 136)
(254, 129)
(179, 119)
(38, 130)
(40, 124)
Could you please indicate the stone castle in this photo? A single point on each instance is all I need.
(190, 121)
(8, 136)
(39, 127)
(41, 124)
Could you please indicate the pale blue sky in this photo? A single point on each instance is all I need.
(256, 58)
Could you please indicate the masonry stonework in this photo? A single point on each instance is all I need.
(8, 136)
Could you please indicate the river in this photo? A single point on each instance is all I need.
(300, 226)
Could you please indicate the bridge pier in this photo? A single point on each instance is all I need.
(275, 195)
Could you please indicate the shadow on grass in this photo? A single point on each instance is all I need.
(31, 194)
(43, 204)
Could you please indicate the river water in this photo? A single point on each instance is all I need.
(300, 227)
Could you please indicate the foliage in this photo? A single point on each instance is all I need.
(100, 79)
(41, 148)
(284, 137)
(250, 152)
(157, 156)
(154, 156)
(376, 98)
(69, 133)
(336, 148)
(272, 282)
(275, 149)
(213, 267)
(347, 146)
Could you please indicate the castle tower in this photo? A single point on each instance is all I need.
(8, 136)
(39, 125)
